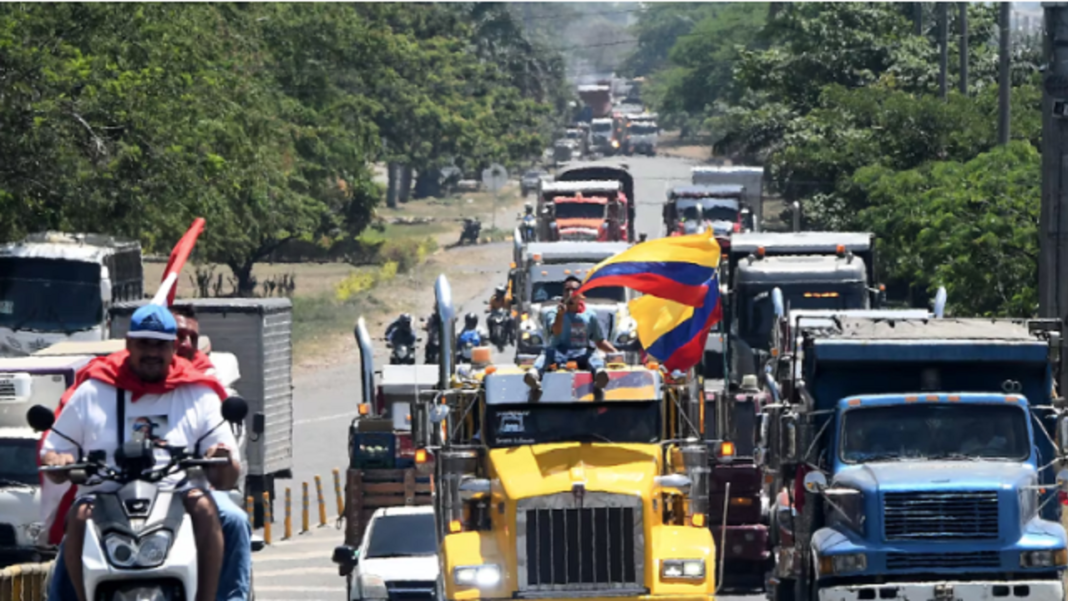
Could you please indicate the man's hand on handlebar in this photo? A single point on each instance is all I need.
(55, 460)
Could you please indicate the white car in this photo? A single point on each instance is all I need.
(398, 557)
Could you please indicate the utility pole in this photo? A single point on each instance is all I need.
(1004, 84)
(963, 18)
(943, 47)
(1053, 221)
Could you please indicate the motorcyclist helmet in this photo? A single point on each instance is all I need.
(470, 321)
(405, 319)
(529, 208)
(499, 291)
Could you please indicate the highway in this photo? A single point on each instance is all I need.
(325, 401)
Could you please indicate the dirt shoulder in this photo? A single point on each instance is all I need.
(668, 144)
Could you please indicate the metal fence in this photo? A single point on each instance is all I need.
(24, 582)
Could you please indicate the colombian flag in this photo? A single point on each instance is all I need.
(679, 278)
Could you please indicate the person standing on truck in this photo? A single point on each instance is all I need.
(161, 385)
(571, 328)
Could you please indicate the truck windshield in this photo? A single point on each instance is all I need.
(929, 431)
(692, 211)
(18, 460)
(601, 128)
(579, 210)
(402, 536)
(611, 422)
(757, 312)
(642, 130)
(49, 295)
(546, 291)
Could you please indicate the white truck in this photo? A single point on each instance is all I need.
(25, 382)
(56, 286)
(640, 134)
(750, 177)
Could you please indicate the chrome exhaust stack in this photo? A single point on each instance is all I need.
(367, 361)
(443, 300)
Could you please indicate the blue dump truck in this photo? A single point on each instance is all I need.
(918, 459)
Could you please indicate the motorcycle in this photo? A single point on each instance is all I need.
(139, 541)
(466, 344)
(433, 348)
(403, 354)
(472, 229)
(499, 332)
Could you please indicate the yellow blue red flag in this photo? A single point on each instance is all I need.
(679, 278)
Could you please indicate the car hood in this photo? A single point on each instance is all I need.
(423, 567)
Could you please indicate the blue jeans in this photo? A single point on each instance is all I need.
(587, 360)
(237, 557)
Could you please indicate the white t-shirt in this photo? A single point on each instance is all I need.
(181, 417)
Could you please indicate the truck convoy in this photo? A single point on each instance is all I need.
(56, 286)
(574, 495)
(915, 460)
(750, 177)
(539, 278)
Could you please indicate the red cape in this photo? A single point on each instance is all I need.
(113, 370)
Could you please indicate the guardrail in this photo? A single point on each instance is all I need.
(24, 582)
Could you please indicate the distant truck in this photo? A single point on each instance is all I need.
(582, 211)
(258, 332)
(602, 132)
(642, 132)
(605, 173)
(917, 460)
(598, 98)
(750, 177)
(721, 209)
(56, 286)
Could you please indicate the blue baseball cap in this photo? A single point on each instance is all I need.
(153, 321)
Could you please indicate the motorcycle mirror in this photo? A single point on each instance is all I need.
(40, 418)
(235, 409)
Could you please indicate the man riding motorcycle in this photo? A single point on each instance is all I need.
(469, 335)
(502, 301)
(400, 332)
(530, 222)
(147, 380)
(433, 334)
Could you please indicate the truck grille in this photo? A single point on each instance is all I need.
(563, 546)
(980, 559)
(410, 590)
(932, 515)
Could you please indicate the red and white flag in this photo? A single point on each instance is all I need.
(181, 252)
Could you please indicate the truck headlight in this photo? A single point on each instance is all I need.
(842, 564)
(1043, 559)
(687, 569)
(372, 587)
(483, 576)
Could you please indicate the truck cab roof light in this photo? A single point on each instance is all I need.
(420, 456)
(698, 520)
(364, 408)
(840, 250)
(932, 397)
(455, 526)
(760, 252)
(726, 449)
(537, 258)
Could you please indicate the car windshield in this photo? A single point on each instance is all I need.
(601, 127)
(758, 312)
(611, 422)
(402, 536)
(49, 295)
(533, 174)
(546, 291)
(935, 431)
(642, 130)
(18, 460)
(580, 210)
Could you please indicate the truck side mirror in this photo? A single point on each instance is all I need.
(346, 556)
(816, 482)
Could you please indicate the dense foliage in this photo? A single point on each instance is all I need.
(264, 118)
(839, 102)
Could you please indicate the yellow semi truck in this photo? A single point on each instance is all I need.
(573, 493)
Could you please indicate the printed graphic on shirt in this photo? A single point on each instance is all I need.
(148, 427)
(579, 338)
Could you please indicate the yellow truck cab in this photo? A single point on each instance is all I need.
(571, 493)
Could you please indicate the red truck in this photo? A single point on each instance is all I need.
(598, 98)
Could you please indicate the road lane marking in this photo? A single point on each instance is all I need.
(299, 589)
(258, 558)
(261, 574)
(324, 418)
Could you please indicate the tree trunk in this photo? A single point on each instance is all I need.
(391, 185)
(404, 192)
(246, 283)
(428, 183)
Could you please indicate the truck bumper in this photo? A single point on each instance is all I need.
(1035, 590)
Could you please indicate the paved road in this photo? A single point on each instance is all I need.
(326, 401)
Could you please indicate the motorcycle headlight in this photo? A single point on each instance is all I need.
(373, 587)
(122, 552)
(684, 569)
(1044, 559)
(483, 576)
(152, 549)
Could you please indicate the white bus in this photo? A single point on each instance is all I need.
(58, 286)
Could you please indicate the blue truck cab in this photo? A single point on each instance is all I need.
(928, 463)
